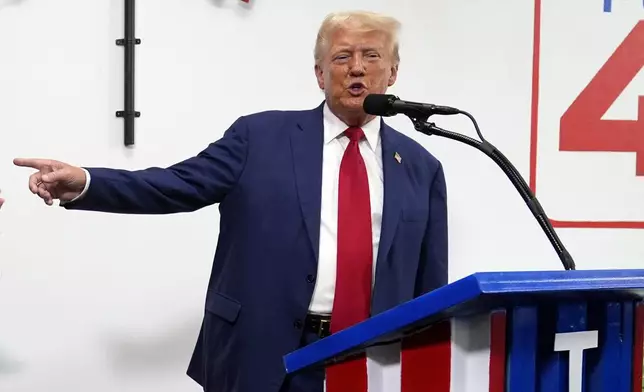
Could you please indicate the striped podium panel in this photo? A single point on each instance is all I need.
(573, 331)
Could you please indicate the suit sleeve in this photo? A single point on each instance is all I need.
(433, 266)
(183, 187)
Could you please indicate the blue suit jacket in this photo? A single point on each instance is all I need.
(265, 173)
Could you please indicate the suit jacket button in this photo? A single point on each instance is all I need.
(310, 278)
(297, 324)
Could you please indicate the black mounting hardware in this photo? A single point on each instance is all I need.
(129, 43)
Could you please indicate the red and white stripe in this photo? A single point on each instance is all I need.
(459, 355)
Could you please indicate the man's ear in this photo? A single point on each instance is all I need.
(319, 74)
(394, 75)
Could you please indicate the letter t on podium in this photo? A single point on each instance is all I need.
(575, 343)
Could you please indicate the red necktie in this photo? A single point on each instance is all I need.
(352, 301)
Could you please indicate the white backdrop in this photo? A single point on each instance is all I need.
(113, 303)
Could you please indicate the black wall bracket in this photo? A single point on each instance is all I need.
(129, 43)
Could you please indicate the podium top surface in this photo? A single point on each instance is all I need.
(476, 293)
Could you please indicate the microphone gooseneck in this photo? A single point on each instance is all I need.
(389, 105)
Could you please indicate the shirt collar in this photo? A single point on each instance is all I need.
(334, 127)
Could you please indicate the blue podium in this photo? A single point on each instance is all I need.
(540, 331)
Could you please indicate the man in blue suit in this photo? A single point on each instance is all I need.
(328, 216)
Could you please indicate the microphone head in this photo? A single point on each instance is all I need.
(379, 104)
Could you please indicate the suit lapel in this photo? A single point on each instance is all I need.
(394, 183)
(306, 145)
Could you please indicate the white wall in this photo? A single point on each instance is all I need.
(107, 302)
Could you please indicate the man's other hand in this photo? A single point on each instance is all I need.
(54, 179)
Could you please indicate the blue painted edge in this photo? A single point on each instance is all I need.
(475, 293)
(558, 281)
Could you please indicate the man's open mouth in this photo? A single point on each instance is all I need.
(357, 88)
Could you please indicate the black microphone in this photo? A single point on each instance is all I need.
(389, 105)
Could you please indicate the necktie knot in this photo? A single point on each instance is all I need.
(354, 134)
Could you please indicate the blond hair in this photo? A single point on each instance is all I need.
(362, 20)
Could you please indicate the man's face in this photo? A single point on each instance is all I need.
(356, 64)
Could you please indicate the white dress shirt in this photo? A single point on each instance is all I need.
(334, 145)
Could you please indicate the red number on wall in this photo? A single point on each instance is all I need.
(582, 128)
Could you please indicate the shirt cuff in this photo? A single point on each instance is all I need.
(88, 179)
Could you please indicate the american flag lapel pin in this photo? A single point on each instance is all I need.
(397, 157)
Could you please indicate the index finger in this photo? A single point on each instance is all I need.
(35, 163)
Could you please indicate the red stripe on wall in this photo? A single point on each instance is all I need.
(534, 110)
(426, 359)
(638, 349)
(498, 325)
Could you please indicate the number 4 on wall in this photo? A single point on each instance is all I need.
(582, 128)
